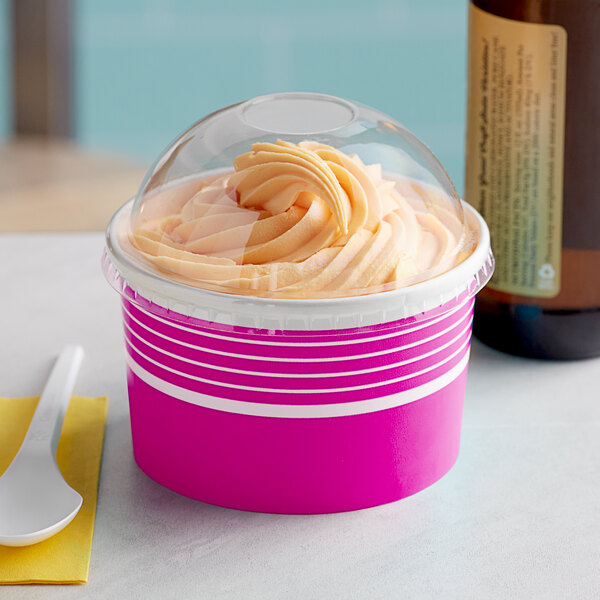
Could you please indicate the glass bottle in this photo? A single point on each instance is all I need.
(533, 155)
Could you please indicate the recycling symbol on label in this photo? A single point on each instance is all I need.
(546, 271)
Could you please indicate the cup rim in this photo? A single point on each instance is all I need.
(349, 311)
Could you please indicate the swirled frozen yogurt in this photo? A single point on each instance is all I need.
(300, 221)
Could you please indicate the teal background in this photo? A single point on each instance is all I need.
(5, 106)
(145, 70)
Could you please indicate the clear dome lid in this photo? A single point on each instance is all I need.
(298, 195)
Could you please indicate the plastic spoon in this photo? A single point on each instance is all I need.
(35, 501)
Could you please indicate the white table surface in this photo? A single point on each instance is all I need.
(517, 517)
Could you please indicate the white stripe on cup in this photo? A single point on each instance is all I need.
(289, 411)
(296, 375)
(253, 388)
(467, 315)
(301, 344)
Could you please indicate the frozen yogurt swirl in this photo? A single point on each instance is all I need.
(302, 221)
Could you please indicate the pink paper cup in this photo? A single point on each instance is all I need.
(297, 406)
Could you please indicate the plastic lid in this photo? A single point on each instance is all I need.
(298, 195)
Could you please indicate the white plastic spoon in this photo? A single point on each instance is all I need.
(35, 501)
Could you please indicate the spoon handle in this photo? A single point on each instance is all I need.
(48, 418)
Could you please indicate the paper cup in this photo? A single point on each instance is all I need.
(292, 406)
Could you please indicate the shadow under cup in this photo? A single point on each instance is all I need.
(298, 419)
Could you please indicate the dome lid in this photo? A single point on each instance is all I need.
(298, 195)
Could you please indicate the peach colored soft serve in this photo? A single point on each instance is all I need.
(300, 221)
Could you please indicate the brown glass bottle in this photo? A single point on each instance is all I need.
(564, 323)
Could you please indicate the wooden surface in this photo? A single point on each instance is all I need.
(50, 185)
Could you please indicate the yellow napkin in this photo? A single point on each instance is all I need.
(65, 557)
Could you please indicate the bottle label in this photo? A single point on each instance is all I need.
(515, 144)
